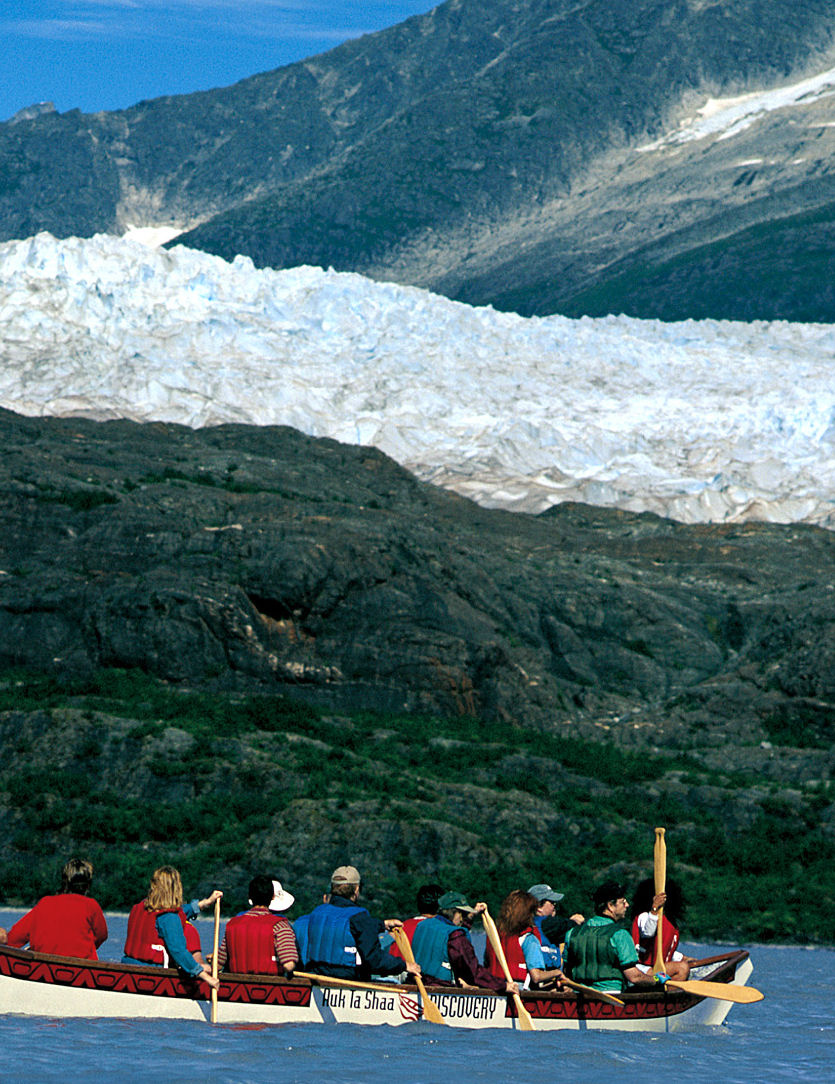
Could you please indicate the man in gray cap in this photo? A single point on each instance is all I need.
(343, 939)
(552, 927)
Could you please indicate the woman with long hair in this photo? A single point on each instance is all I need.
(520, 941)
(646, 903)
(159, 930)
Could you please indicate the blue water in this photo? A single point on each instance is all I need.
(790, 1036)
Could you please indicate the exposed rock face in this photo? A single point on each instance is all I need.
(519, 153)
(263, 558)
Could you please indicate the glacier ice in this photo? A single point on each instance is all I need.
(698, 420)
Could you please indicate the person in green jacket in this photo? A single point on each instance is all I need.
(601, 952)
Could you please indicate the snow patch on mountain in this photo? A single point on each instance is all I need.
(723, 118)
(702, 421)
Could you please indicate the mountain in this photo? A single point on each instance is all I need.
(539, 155)
(242, 646)
(257, 555)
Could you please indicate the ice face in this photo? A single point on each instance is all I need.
(701, 420)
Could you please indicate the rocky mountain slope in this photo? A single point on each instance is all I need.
(320, 644)
(260, 556)
(528, 155)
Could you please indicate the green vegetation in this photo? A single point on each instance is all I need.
(79, 500)
(145, 773)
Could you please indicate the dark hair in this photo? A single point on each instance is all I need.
(675, 906)
(605, 893)
(77, 876)
(427, 898)
(346, 890)
(261, 890)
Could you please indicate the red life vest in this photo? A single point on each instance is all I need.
(250, 943)
(409, 927)
(645, 946)
(144, 943)
(514, 955)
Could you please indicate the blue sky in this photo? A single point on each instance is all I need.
(109, 54)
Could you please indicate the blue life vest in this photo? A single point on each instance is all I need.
(329, 937)
(300, 930)
(550, 951)
(430, 946)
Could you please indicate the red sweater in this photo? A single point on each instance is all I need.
(64, 925)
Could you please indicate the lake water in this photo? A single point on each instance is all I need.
(790, 1036)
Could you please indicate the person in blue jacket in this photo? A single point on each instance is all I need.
(547, 900)
(343, 939)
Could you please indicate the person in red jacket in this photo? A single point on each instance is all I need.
(68, 924)
(645, 907)
(260, 941)
(521, 943)
(159, 932)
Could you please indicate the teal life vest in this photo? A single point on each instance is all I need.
(430, 944)
(590, 956)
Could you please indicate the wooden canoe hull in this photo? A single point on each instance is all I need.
(36, 984)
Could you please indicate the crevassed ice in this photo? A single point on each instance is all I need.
(702, 421)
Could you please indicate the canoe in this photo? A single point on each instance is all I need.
(33, 983)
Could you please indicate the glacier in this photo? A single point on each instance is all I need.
(701, 421)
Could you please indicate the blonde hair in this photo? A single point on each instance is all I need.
(166, 890)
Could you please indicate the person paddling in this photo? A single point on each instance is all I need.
(445, 953)
(159, 931)
(645, 908)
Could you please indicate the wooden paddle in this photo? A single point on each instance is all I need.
(590, 991)
(328, 980)
(659, 862)
(214, 959)
(431, 1012)
(525, 1022)
(723, 991)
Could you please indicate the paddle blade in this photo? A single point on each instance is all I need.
(723, 991)
(525, 1022)
(431, 1012)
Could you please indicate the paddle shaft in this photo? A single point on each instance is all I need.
(660, 871)
(331, 980)
(525, 1022)
(590, 991)
(431, 1012)
(214, 959)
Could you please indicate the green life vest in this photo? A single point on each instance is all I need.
(590, 957)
